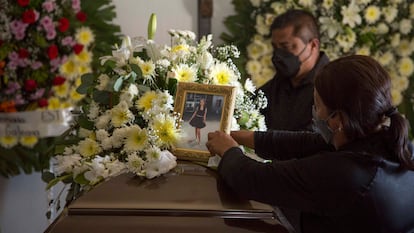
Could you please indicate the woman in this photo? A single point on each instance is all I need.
(356, 175)
(198, 119)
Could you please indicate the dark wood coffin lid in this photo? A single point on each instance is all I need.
(188, 190)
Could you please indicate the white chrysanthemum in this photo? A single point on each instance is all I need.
(386, 58)
(121, 114)
(412, 10)
(89, 147)
(256, 3)
(279, 7)
(135, 164)
(346, 41)
(102, 122)
(103, 81)
(405, 66)
(306, 3)
(268, 20)
(221, 74)
(365, 50)
(382, 28)
(153, 153)
(400, 83)
(101, 135)
(145, 103)
(350, 15)
(405, 26)
(66, 163)
(261, 27)
(249, 86)
(118, 137)
(390, 13)
(255, 49)
(395, 40)
(69, 68)
(136, 139)
(327, 4)
(396, 97)
(185, 73)
(404, 49)
(85, 133)
(372, 14)
(253, 67)
(29, 141)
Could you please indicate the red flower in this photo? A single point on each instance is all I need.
(30, 85)
(81, 16)
(23, 53)
(29, 16)
(58, 80)
(42, 102)
(63, 24)
(52, 52)
(23, 3)
(77, 48)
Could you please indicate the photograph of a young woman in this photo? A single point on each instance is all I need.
(198, 120)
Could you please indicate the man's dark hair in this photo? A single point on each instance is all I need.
(304, 24)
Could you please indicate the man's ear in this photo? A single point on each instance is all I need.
(315, 43)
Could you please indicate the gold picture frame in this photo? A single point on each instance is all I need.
(218, 111)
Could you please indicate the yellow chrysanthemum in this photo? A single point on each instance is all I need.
(253, 67)
(136, 139)
(121, 115)
(78, 81)
(180, 48)
(54, 103)
(363, 51)
(85, 36)
(145, 102)
(8, 141)
(29, 141)
(84, 57)
(185, 73)
(68, 69)
(406, 66)
(75, 96)
(396, 97)
(165, 129)
(89, 147)
(221, 74)
(372, 14)
(65, 104)
(147, 68)
(61, 90)
(83, 69)
(255, 50)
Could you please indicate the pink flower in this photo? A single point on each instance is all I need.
(49, 6)
(51, 34)
(76, 5)
(38, 94)
(68, 41)
(36, 65)
(12, 87)
(46, 22)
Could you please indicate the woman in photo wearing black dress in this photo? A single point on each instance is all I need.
(198, 119)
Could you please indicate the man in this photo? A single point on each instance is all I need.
(296, 57)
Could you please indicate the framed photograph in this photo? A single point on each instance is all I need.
(204, 108)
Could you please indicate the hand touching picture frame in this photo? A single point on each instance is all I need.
(204, 108)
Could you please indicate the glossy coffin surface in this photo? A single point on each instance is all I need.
(190, 198)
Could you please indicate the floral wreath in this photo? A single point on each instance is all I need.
(45, 47)
(381, 29)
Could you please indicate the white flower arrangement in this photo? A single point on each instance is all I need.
(128, 123)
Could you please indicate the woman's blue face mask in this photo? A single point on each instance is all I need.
(321, 126)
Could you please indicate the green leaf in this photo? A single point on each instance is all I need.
(47, 176)
(137, 70)
(80, 179)
(86, 84)
(118, 83)
(102, 97)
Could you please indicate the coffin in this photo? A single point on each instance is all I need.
(190, 198)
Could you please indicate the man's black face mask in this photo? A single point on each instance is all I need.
(286, 63)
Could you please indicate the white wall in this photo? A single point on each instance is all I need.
(133, 16)
(24, 197)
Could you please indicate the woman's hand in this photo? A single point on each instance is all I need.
(219, 142)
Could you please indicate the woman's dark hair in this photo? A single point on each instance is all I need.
(360, 89)
(304, 24)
